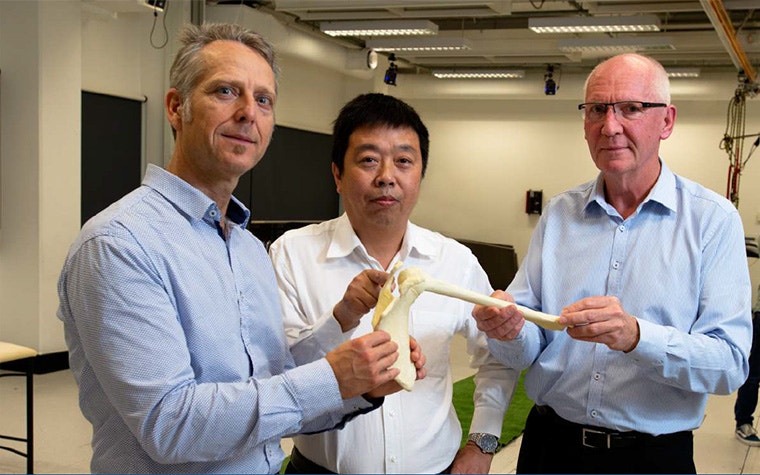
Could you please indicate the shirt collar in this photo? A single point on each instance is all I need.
(345, 241)
(663, 191)
(189, 200)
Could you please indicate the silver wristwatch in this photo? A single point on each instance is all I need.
(487, 443)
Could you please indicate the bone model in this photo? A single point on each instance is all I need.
(392, 314)
(396, 323)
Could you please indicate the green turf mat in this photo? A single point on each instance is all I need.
(514, 418)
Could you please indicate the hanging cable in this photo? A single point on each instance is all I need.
(155, 19)
(733, 142)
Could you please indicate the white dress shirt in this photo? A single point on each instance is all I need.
(413, 432)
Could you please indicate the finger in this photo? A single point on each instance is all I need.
(421, 373)
(387, 354)
(376, 277)
(483, 314)
(419, 360)
(376, 338)
(591, 303)
(502, 295)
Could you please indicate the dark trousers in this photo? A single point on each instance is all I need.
(300, 464)
(746, 397)
(551, 444)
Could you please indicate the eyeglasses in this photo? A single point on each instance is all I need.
(629, 110)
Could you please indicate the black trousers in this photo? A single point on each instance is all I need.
(300, 464)
(746, 396)
(551, 444)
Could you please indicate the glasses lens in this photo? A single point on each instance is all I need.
(596, 111)
(630, 110)
(627, 110)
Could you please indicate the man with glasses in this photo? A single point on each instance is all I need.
(648, 270)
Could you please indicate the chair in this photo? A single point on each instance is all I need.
(18, 360)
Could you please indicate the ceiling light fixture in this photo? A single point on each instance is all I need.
(605, 46)
(478, 74)
(418, 44)
(676, 73)
(595, 24)
(379, 28)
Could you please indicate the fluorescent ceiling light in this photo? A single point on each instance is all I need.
(379, 28)
(682, 72)
(595, 24)
(614, 45)
(429, 43)
(478, 74)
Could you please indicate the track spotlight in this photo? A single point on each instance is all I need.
(550, 87)
(391, 72)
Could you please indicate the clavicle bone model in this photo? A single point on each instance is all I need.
(392, 313)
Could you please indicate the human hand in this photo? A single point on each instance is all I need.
(360, 297)
(501, 324)
(363, 364)
(470, 459)
(601, 320)
(417, 357)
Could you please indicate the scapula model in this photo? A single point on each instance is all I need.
(396, 323)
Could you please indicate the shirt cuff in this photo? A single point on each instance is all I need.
(487, 420)
(316, 389)
(652, 345)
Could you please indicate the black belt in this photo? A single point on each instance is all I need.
(602, 438)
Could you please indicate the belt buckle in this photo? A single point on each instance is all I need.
(595, 432)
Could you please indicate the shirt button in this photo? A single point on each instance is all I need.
(615, 265)
(593, 413)
(597, 376)
(391, 413)
(621, 228)
(212, 213)
(393, 459)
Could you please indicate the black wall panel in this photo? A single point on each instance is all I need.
(293, 181)
(111, 143)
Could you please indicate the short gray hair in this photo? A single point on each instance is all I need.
(188, 65)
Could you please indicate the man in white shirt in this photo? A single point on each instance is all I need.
(330, 274)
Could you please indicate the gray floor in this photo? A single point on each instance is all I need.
(63, 436)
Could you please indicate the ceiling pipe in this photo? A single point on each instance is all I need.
(718, 16)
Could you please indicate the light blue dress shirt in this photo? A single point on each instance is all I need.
(678, 264)
(175, 338)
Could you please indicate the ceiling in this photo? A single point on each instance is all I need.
(498, 33)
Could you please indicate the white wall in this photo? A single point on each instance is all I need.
(39, 163)
(490, 142)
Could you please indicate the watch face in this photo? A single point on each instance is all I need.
(490, 443)
(487, 442)
(371, 59)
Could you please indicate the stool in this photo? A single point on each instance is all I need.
(18, 360)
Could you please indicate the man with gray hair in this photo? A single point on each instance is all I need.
(170, 305)
(648, 271)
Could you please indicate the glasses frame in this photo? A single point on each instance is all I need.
(607, 105)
